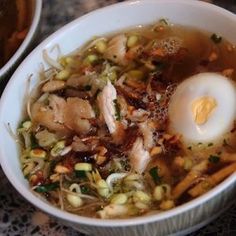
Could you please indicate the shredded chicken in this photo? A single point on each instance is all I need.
(147, 133)
(78, 145)
(138, 115)
(61, 115)
(50, 116)
(45, 138)
(107, 107)
(139, 157)
(77, 113)
(58, 105)
(116, 49)
(53, 85)
(77, 81)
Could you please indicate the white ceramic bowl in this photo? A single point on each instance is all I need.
(12, 62)
(182, 219)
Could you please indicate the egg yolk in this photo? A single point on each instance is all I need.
(202, 108)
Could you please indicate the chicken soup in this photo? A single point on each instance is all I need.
(132, 123)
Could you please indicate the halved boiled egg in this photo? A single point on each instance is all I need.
(203, 107)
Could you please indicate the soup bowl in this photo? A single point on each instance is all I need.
(178, 221)
(35, 10)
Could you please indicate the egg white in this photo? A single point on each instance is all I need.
(221, 119)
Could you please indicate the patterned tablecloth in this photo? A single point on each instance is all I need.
(20, 218)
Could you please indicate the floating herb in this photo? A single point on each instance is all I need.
(80, 174)
(155, 175)
(210, 144)
(84, 190)
(125, 165)
(164, 21)
(34, 143)
(159, 65)
(87, 87)
(52, 165)
(216, 38)
(117, 108)
(214, 159)
(96, 110)
(47, 187)
(27, 176)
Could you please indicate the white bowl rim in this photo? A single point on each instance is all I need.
(56, 212)
(35, 21)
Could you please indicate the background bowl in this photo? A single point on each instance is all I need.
(182, 219)
(22, 50)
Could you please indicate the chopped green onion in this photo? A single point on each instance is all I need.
(164, 21)
(87, 87)
(216, 38)
(214, 159)
(155, 176)
(52, 165)
(117, 108)
(47, 187)
(27, 176)
(84, 190)
(80, 174)
(159, 65)
(125, 165)
(34, 143)
(210, 144)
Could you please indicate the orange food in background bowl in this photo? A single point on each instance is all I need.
(19, 22)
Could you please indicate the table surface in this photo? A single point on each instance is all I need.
(20, 218)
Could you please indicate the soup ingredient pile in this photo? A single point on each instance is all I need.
(132, 123)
